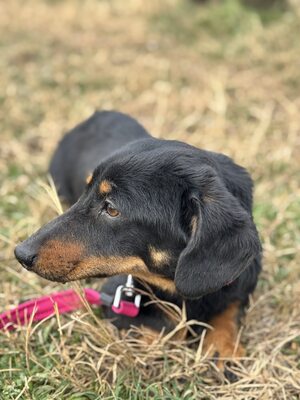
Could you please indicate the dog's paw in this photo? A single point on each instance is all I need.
(222, 347)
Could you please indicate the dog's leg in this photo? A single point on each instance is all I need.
(222, 340)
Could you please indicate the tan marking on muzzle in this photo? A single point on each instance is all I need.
(158, 257)
(105, 187)
(109, 266)
(57, 258)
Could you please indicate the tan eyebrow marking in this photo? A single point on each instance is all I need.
(89, 179)
(158, 257)
(105, 187)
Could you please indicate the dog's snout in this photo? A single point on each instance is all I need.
(25, 256)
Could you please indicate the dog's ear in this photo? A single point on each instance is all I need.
(223, 239)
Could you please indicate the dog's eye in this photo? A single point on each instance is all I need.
(110, 210)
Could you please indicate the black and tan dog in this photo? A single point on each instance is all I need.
(173, 216)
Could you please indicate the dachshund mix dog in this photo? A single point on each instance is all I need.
(175, 217)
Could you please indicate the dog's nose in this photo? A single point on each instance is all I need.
(25, 256)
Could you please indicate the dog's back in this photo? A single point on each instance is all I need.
(82, 149)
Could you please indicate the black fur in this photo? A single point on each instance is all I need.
(82, 149)
(195, 205)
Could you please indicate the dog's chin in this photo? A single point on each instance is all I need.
(68, 277)
(52, 277)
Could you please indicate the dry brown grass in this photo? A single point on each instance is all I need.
(222, 77)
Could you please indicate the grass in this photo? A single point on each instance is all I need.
(224, 76)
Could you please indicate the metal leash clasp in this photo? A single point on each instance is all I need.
(129, 291)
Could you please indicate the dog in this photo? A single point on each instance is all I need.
(179, 219)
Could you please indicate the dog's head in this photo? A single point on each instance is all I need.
(157, 210)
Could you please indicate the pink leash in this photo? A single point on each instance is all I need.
(69, 300)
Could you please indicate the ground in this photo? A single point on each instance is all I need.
(221, 75)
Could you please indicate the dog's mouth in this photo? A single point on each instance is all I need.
(65, 278)
(51, 276)
(61, 270)
(61, 279)
(68, 271)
